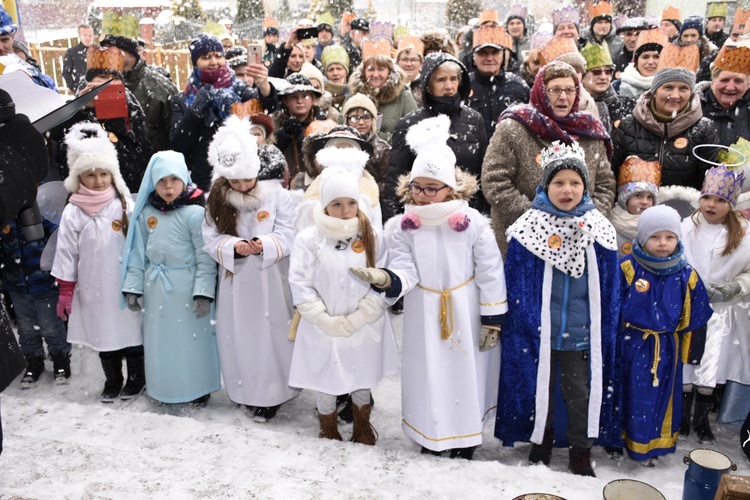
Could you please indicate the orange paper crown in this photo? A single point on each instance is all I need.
(600, 9)
(670, 13)
(110, 59)
(270, 22)
(557, 47)
(246, 109)
(411, 42)
(492, 35)
(673, 56)
(489, 16)
(735, 58)
(741, 17)
(348, 17)
(655, 36)
(320, 127)
(634, 169)
(382, 47)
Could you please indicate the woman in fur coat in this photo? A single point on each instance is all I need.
(385, 83)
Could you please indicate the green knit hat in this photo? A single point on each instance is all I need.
(596, 55)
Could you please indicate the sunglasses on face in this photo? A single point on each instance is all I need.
(599, 71)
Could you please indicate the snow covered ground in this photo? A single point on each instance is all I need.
(61, 442)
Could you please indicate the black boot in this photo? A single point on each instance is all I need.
(34, 370)
(398, 307)
(687, 410)
(112, 366)
(265, 413)
(61, 367)
(465, 453)
(136, 381)
(701, 424)
(579, 462)
(543, 452)
(427, 451)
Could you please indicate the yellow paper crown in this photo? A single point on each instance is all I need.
(741, 17)
(335, 54)
(600, 9)
(730, 157)
(652, 36)
(557, 47)
(489, 16)
(634, 169)
(670, 13)
(109, 59)
(380, 48)
(673, 56)
(325, 18)
(400, 31)
(270, 22)
(734, 58)
(410, 42)
(492, 35)
(246, 109)
(125, 25)
(717, 9)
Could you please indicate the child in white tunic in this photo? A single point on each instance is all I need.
(344, 342)
(717, 246)
(89, 250)
(444, 258)
(249, 231)
(637, 190)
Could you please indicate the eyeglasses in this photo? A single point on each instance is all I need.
(413, 60)
(357, 119)
(599, 71)
(428, 191)
(555, 92)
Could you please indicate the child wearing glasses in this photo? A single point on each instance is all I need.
(444, 259)
(562, 286)
(344, 342)
(362, 115)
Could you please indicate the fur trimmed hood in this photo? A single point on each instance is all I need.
(466, 186)
(388, 92)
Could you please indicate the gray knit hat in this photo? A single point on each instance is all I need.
(673, 75)
(655, 219)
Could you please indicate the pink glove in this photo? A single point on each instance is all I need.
(66, 298)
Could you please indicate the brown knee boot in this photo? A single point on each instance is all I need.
(363, 432)
(329, 427)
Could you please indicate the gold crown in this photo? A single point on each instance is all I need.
(673, 56)
(380, 48)
(125, 25)
(320, 127)
(556, 47)
(411, 42)
(492, 35)
(489, 16)
(635, 169)
(735, 58)
(741, 17)
(109, 59)
(600, 9)
(246, 109)
(670, 13)
(717, 9)
(270, 22)
(655, 36)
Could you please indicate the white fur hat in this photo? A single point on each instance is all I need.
(338, 183)
(89, 148)
(435, 160)
(349, 159)
(233, 152)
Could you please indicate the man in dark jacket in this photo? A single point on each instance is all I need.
(726, 102)
(74, 62)
(601, 28)
(597, 80)
(492, 88)
(715, 19)
(152, 90)
(360, 28)
(629, 34)
(468, 140)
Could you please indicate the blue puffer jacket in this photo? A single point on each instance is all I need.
(569, 312)
(19, 261)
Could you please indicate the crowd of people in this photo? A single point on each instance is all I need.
(557, 215)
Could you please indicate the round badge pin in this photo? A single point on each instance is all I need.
(116, 225)
(626, 248)
(642, 285)
(554, 242)
(358, 246)
(152, 222)
(680, 142)
(263, 216)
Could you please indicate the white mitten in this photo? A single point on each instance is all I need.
(489, 337)
(315, 312)
(369, 310)
(373, 275)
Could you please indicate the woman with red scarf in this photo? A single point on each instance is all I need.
(512, 166)
(202, 107)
